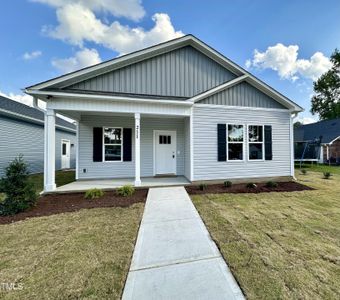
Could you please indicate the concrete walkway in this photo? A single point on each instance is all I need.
(174, 257)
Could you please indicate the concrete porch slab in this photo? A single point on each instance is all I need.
(109, 184)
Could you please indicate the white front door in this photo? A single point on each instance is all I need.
(165, 152)
(65, 154)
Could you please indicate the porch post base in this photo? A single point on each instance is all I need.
(138, 183)
(50, 187)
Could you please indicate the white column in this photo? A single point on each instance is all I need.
(137, 150)
(49, 155)
(291, 137)
(77, 151)
(191, 124)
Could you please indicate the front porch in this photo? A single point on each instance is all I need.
(117, 139)
(109, 184)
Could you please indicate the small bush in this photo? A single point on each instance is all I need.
(326, 175)
(202, 186)
(271, 184)
(94, 194)
(2, 197)
(228, 184)
(251, 185)
(18, 190)
(126, 191)
(303, 172)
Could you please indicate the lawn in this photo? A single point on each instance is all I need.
(318, 168)
(85, 254)
(280, 245)
(61, 178)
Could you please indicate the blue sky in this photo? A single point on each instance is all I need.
(41, 39)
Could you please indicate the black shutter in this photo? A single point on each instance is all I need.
(268, 149)
(97, 144)
(127, 144)
(221, 142)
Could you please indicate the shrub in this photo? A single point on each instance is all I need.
(94, 194)
(303, 172)
(251, 185)
(19, 191)
(228, 184)
(2, 197)
(126, 191)
(271, 184)
(202, 186)
(326, 175)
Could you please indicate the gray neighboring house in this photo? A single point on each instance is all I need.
(176, 108)
(22, 132)
(329, 131)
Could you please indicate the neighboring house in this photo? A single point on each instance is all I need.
(328, 132)
(22, 132)
(177, 108)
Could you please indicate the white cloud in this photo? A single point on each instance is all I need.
(131, 9)
(23, 98)
(78, 24)
(305, 120)
(284, 60)
(83, 58)
(31, 55)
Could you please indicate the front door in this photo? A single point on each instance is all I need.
(65, 154)
(165, 152)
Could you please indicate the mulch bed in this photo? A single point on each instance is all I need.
(60, 203)
(289, 186)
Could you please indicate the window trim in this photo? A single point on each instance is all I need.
(121, 145)
(248, 143)
(243, 143)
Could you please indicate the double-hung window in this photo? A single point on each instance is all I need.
(235, 142)
(255, 142)
(113, 144)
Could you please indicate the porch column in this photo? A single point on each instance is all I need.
(49, 151)
(137, 150)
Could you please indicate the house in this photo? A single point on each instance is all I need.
(177, 108)
(328, 131)
(22, 132)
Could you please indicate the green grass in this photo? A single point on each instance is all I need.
(61, 178)
(280, 245)
(80, 255)
(318, 168)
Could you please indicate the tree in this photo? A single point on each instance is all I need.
(297, 124)
(326, 101)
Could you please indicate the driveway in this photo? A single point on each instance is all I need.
(175, 257)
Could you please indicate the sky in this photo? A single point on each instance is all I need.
(287, 44)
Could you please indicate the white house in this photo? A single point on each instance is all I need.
(177, 108)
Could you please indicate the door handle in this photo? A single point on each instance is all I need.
(173, 155)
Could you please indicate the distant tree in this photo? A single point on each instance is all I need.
(297, 124)
(326, 101)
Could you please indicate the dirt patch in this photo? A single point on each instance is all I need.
(60, 203)
(289, 186)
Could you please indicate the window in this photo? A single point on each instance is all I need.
(165, 139)
(64, 149)
(255, 140)
(112, 144)
(235, 141)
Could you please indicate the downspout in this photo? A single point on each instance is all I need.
(291, 132)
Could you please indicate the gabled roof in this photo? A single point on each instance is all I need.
(328, 129)
(137, 56)
(28, 113)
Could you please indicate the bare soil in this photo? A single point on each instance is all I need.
(60, 203)
(289, 186)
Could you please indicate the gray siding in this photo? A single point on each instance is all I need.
(206, 166)
(242, 94)
(19, 137)
(126, 169)
(183, 72)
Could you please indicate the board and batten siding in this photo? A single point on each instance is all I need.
(206, 166)
(183, 72)
(127, 169)
(20, 137)
(242, 94)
